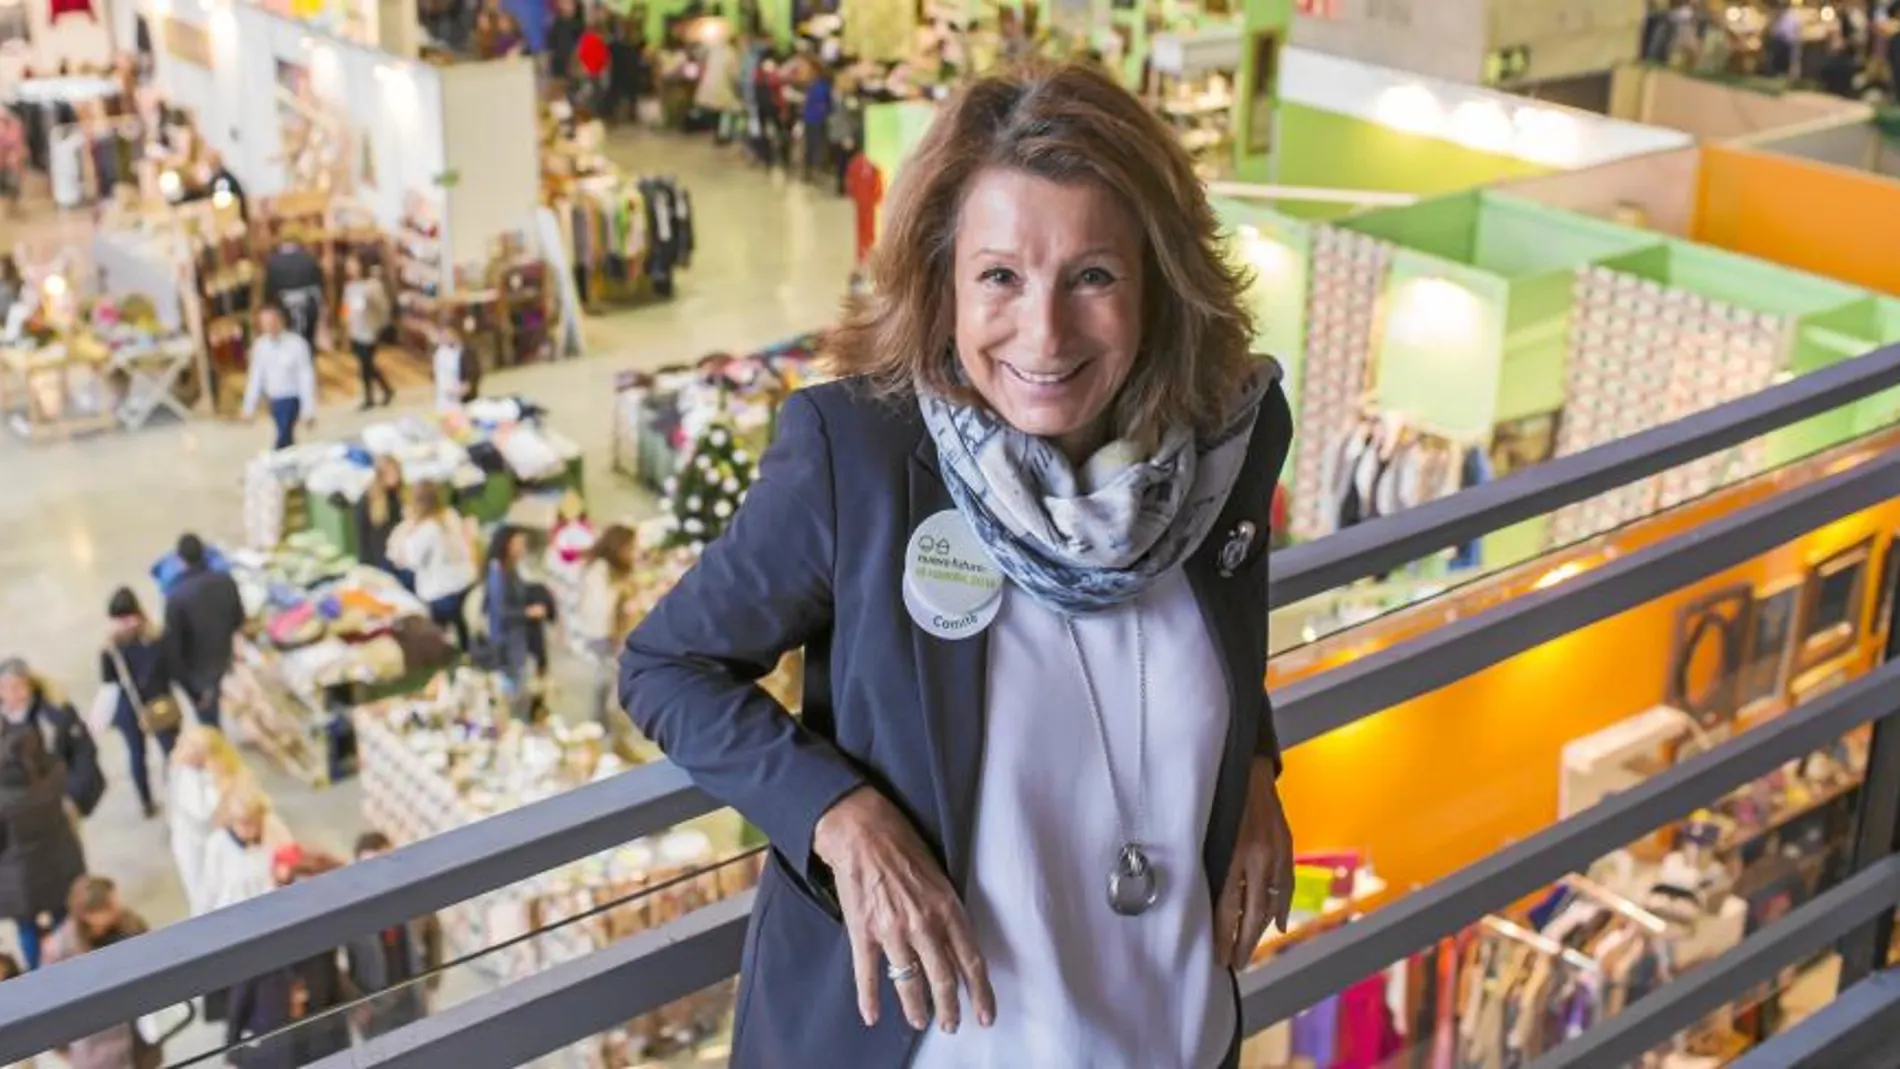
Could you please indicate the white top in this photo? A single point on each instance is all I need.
(233, 873)
(281, 368)
(448, 377)
(1077, 984)
(599, 603)
(191, 801)
(438, 552)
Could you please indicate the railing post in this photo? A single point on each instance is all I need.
(1877, 816)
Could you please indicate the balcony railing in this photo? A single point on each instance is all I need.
(579, 998)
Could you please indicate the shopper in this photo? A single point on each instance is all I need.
(513, 615)
(564, 39)
(96, 917)
(1056, 408)
(366, 316)
(606, 593)
(458, 378)
(237, 861)
(283, 373)
(204, 770)
(135, 662)
(438, 546)
(379, 515)
(816, 120)
(396, 967)
(40, 852)
(305, 994)
(204, 613)
(29, 703)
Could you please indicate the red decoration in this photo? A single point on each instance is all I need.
(592, 53)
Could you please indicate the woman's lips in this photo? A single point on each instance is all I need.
(1043, 378)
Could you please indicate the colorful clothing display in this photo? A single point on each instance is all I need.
(630, 231)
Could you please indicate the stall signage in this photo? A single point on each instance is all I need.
(1185, 55)
(1318, 9)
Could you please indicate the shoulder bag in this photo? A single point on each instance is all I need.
(158, 716)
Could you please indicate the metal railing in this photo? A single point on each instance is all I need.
(582, 997)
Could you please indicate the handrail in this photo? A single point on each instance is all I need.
(1383, 544)
(122, 982)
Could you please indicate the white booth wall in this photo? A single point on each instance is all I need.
(415, 125)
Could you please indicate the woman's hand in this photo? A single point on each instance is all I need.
(900, 911)
(1260, 879)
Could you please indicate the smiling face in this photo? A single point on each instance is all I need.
(1048, 303)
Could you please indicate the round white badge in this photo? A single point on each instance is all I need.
(951, 588)
(950, 625)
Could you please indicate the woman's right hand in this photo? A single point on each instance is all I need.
(899, 909)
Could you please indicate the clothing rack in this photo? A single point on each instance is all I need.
(1543, 944)
(1622, 906)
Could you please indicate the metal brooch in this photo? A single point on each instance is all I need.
(1234, 553)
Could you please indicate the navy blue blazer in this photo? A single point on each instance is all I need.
(815, 559)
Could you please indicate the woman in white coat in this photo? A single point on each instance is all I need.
(204, 768)
(237, 860)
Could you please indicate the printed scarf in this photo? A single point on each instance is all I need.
(1084, 541)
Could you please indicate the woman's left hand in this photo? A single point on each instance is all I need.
(1260, 880)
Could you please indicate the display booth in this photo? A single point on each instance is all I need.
(292, 108)
(1484, 762)
(1449, 340)
(1652, 191)
(1816, 216)
(1350, 125)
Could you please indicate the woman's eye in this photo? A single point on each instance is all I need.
(999, 276)
(1096, 276)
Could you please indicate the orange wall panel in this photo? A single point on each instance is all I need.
(1829, 220)
(1439, 782)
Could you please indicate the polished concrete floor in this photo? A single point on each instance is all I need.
(78, 519)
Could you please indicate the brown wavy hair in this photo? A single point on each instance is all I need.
(1067, 123)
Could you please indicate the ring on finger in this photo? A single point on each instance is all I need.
(900, 973)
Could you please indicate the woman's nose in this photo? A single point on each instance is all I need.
(1042, 321)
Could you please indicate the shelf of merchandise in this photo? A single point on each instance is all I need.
(420, 279)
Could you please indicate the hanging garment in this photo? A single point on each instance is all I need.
(866, 188)
(67, 169)
(1476, 471)
(58, 8)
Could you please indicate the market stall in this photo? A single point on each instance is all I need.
(1650, 687)
(658, 414)
(492, 455)
(453, 755)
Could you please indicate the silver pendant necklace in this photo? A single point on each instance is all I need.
(1134, 882)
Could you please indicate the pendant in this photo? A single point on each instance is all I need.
(1134, 884)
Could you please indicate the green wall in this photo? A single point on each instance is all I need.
(1327, 149)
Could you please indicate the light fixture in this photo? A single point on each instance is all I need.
(170, 185)
(55, 286)
(1483, 125)
(1435, 311)
(222, 198)
(1546, 136)
(1411, 108)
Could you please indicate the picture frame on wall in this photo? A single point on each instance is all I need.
(1833, 605)
(1521, 443)
(1768, 659)
(1705, 668)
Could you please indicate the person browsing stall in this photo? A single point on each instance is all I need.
(282, 373)
(1028, 815)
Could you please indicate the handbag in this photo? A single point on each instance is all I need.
(159, 716)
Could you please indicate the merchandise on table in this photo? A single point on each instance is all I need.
(326, 634)
(454, 755)
(487, 452)
(659, 414)
(73, 365)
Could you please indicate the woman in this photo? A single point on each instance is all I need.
(438, 545)
(606, 589)
(40, 853)
(458, 377)
(97, 918)
(237, 861)
(515, 617)
(27, 701)
(135, 661)
(366, 312)
(379, 515)
(204, 770)
(1042, 499)
(305, 994)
